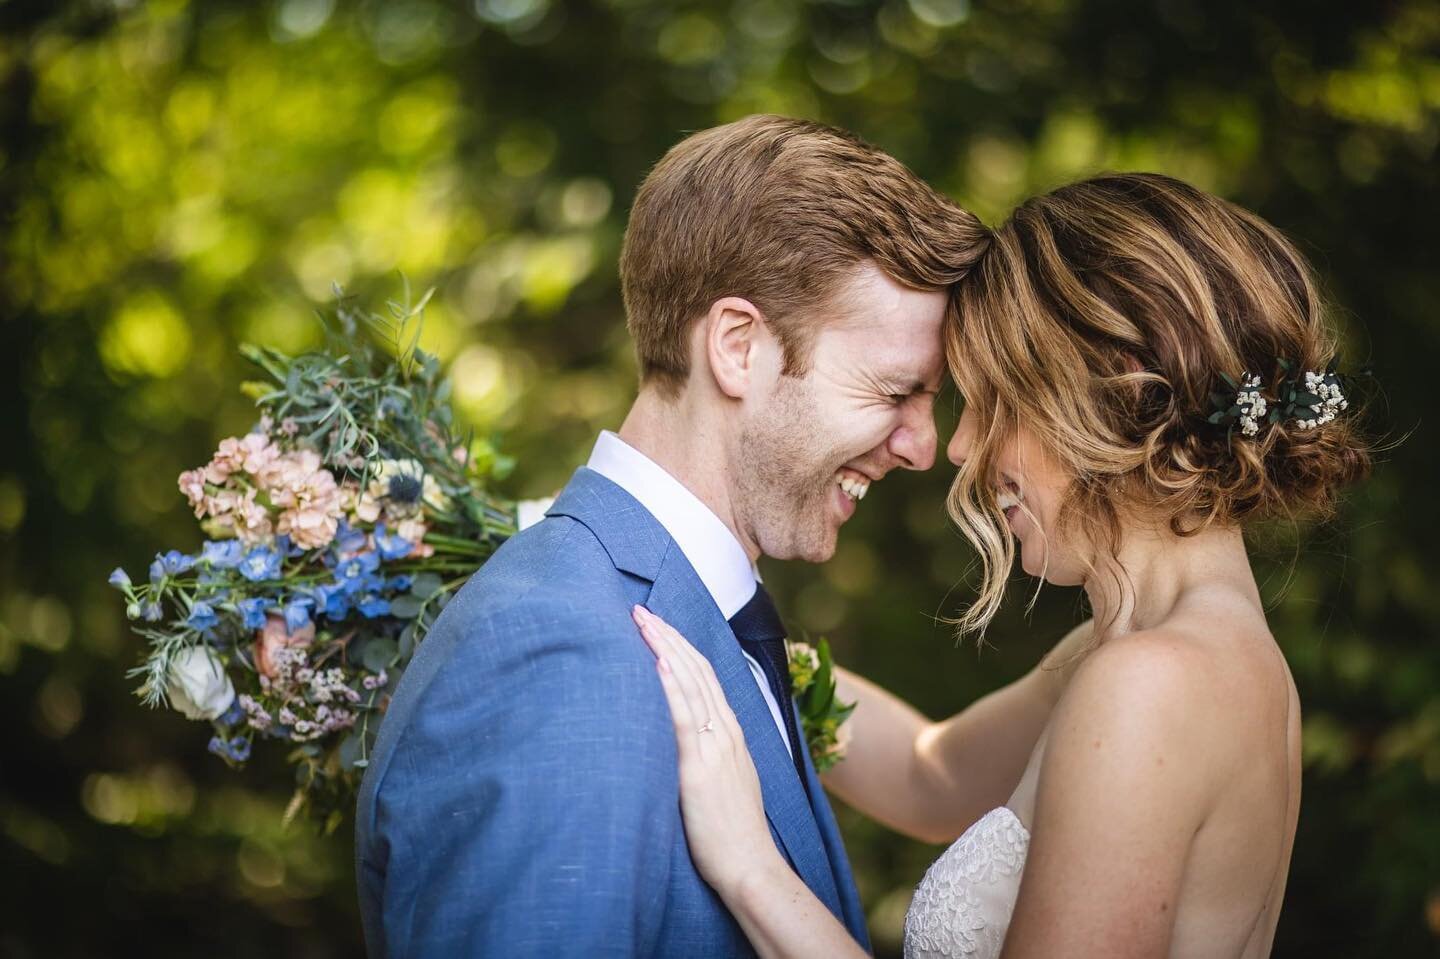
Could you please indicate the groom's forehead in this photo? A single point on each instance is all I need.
(902, 363)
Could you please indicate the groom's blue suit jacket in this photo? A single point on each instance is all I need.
(522, 797)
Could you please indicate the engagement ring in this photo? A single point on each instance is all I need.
(709, 725)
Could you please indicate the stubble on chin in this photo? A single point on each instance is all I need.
(783, 478)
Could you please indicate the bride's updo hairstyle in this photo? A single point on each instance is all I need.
(1103, 318)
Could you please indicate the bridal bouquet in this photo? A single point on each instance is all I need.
(335, 531)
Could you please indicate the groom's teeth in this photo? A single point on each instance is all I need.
(855, 489)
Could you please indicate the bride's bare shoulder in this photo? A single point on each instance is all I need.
(1150, 686)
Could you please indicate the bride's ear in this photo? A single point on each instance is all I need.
(1136, 376)
(734, 340)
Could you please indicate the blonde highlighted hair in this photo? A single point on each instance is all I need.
(1101, 319)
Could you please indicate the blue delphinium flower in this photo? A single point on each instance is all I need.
(391, 545)
(354, 571)
(119, 579)
(371, 606)
(400, 583)
(170, 563)
(222, 554)
(252, 611)
(297, 612)
(233, 715)
(331, 600)
(235, 750)
(202, 616)
(262, 562)
(348, 539)
(151, 612)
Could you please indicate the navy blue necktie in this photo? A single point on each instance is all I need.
(762, 634)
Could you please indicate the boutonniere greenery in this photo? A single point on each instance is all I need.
(822, 714)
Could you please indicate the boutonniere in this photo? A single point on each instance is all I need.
(822, 714)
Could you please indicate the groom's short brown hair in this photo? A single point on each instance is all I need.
(778, 211)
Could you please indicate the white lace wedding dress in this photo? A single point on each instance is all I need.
(962, 907)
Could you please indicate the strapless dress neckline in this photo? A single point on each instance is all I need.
(962, 907)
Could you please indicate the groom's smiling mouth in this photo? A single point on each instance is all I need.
(853, 483)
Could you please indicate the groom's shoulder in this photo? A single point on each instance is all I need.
(557, 564)
(548, 595)
(551, 583)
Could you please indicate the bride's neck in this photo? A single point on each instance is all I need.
(1155, 568)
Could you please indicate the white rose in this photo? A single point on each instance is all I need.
(199, 686)
(528, 512)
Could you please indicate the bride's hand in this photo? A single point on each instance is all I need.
(719, 789)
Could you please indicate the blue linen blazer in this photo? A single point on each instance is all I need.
(522, 796)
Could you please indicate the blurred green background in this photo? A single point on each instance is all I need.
(176, 178)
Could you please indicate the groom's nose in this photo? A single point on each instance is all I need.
(913, 442)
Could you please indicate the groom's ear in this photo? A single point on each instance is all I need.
(734, 341)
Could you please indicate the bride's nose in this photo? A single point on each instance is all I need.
(960, 443)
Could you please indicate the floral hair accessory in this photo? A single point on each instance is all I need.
(1308, 398)
(1329, 399)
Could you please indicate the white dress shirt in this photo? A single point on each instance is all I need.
(717, 556)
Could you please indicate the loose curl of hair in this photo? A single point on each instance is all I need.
(1100, 319)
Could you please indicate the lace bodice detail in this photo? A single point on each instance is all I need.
(962, 907)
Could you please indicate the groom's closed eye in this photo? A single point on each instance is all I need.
(904, 394)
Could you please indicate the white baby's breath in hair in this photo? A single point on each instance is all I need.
(1306, 398)
(1331, 399)
(1252, 404)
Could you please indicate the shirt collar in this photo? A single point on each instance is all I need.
(709, 545)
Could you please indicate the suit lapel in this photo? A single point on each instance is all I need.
(680, 599)
(638, 544)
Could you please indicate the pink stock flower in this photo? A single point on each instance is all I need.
(361, 505)
(307, 496)
(192, 484)
(217, 471)
(251, 520)
(250, 453)
(273, 637)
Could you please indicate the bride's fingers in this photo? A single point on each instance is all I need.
(698, 671)
(680, 712)
(682, 686)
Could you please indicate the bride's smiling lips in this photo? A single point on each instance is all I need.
(1009, 497)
